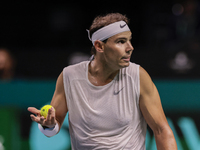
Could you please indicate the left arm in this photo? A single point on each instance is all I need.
(153, 113)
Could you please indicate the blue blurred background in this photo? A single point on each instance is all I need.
(38, 39)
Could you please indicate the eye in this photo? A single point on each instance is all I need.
(121, 41)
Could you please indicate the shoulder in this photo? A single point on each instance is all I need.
(146, 83)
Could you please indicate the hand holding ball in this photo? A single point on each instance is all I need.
(44, 110)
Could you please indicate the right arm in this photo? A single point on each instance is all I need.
(58, 102)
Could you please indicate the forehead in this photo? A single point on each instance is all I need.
(126, 34)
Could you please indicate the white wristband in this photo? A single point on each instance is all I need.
(48, 132)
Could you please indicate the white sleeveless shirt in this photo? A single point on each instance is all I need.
(104, 117)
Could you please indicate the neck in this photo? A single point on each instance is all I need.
(100, 73)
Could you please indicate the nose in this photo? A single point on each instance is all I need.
(129, 47)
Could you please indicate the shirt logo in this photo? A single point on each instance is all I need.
(116, 93)
(122, 26)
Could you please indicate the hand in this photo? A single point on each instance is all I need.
(49, 122)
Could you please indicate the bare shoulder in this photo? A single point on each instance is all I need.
(59, 99)
(146, 84)
(60, 84)
(59, 90)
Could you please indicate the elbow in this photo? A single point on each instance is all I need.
(165, 139)
(163, 131)
(164, 134)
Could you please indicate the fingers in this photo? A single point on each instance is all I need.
(51, 114)
(50, 121)
(34, 110)
(37, 119)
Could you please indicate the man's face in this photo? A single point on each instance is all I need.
(118, 50)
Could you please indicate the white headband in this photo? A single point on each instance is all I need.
(108, 31)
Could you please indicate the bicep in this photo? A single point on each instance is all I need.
(150, 103)
(59, 100)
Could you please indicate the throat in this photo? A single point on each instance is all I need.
(99, 76)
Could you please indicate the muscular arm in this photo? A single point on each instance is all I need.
(58, 102)
(153, 113)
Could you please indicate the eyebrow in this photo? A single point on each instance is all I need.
(123, 38)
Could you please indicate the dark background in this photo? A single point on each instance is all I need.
(42, 36)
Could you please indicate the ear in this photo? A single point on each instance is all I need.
(99, 46)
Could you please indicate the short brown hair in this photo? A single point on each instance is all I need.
(104, 20)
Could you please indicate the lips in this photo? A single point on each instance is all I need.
(126, 58)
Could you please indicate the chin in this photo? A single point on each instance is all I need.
(125, 64)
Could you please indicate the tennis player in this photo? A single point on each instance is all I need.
(110, 100)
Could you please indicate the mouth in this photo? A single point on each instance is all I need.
(127, 59)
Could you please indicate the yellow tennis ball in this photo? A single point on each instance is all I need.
(44, 110)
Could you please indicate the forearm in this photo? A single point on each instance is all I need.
(165, 140)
